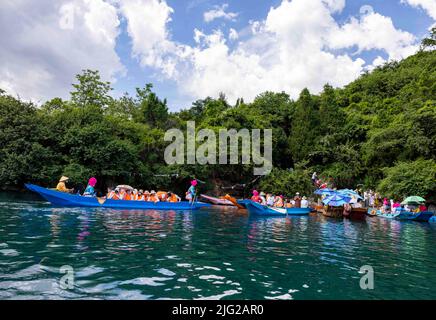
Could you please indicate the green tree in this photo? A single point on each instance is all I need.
(151, 110)
(410, 178)
(429, 42)
(91, 90)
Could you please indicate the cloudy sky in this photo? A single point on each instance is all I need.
(197, 48)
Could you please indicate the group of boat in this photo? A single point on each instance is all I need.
(327, 209)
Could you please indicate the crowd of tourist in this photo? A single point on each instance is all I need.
(279, 201)
(124, 192)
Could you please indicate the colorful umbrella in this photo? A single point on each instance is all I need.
(349, 193)
(413, 199)
(324, 191)
(336, 200)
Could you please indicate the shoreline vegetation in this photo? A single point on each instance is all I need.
(378, 132)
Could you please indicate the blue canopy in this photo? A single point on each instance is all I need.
(349, 193)
(325, 191)
(336, 200)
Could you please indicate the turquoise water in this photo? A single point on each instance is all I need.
(207, 254)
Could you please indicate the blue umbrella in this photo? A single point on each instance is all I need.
(336, 200)
(349, 193)
(325, 191)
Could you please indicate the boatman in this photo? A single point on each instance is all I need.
(61, 185)
(297, 200)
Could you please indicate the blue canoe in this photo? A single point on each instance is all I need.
(261, 210)
(406, 215)
(63, 199)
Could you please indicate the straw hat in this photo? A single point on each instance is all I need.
(262, 194)
(152, 192)
(304, 198)
(63, 179)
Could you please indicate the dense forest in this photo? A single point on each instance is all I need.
(377, 132)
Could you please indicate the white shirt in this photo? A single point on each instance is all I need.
(304, 203)
(270, 201)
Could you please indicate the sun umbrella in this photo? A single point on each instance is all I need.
(324, 191)
(413, 199)
(349, 193)
(336, 200)
(124, 186)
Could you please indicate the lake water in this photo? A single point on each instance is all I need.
(207, 254)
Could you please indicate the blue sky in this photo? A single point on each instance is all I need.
(195, 48)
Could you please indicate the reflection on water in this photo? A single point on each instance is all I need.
(208, 254)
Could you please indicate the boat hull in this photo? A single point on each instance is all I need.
(424, 216)
(63, 199)
(217, 201)
(261, 210)
(333, 212)
(355, 214)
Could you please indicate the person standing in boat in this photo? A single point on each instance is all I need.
(304, 203)
(90, 191)
(315, 178)
(61, 185)
(297, 200)
(192, 192)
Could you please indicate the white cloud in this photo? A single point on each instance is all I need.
(44, 45)
(373, 31)
(294, 47)
(379, 61)
(219, 12)
(147, 27)
(298, 44)
(233, 34)
(428, 5)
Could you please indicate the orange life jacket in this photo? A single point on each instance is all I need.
(173, 198)
(153, 198)
(112, 195)
(162, 195)
(127, 196)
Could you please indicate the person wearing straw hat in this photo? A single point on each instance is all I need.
(61, 185)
